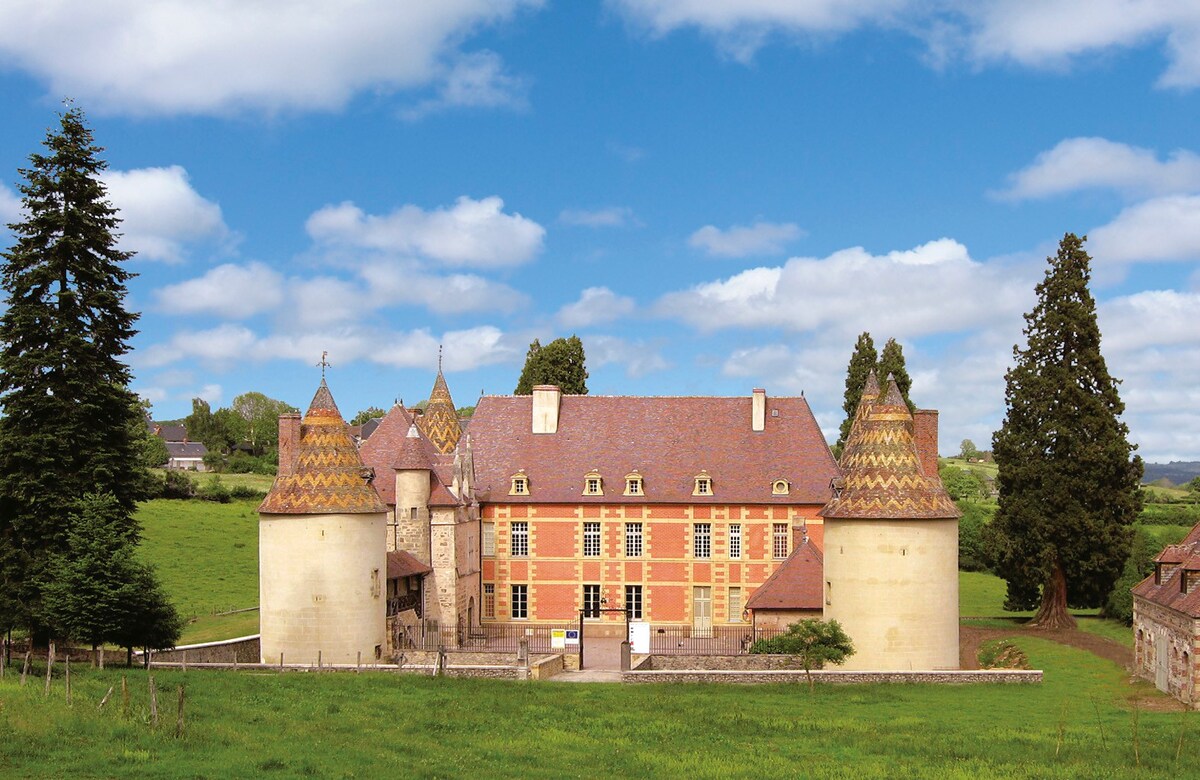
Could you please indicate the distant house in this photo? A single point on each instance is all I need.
(183, 455)
(1166, 621)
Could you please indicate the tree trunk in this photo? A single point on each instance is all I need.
(1053, 612)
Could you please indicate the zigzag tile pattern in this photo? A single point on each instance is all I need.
(882, 473)
(329, 477)
(440, 421)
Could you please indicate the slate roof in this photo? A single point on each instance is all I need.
(668, 440)
(329, 477)
(185, 449)
(883, 476)
(796, 584)
(170, 433)
(1178, 558)
(392, 447)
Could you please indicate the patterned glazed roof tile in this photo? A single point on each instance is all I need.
(329, 477)
(883, 478)
(440, 421)
(796, 584)
(668, 440)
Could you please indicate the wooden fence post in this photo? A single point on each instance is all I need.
(25, 668)
(358, 663)
(68, 679)
(153, 702)
(124, 697)
(105, 699)
(179, 716)
(49, 667)
(185, 660)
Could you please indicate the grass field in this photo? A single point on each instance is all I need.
(206, 555)
(1079, 723)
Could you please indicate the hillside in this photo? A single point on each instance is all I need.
(1178, 471)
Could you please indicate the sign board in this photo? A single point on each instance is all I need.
(572, 636)
(558, 638)
(639, 637)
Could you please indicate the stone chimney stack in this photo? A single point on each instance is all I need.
(289, 438)
(546, 401)
(758, 409)
(925, 436)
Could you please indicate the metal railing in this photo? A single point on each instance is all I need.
(489, 637)
(715, 640)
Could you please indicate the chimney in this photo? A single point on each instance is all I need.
(546, 400)
(289, 441)
(925, 435)
(758, 409)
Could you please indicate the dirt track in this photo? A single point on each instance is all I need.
(970, 639)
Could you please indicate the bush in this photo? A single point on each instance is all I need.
(213, 490)
(1170, 514)
(971, 553)
(1138, 566)
(245, 491)
(178, 485)
(245, 463)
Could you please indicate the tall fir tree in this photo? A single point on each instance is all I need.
(1068, 478)
(891, 363)
(67, 427)
(561, 362)
(862, 360)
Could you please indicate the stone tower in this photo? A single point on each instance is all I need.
(322, 553)
(891, 545)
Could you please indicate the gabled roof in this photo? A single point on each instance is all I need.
(668, 440)
(883, 475)
(1174, 560)
(401, 563)
(329, 477)
(796, 584)
(170, 433)
(185, 449)
(392, 447)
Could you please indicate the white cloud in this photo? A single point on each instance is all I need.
(612, 216)
(638, 356)
(212, 393)
(464, 350)
(228, 290)
(161, 213)
(1165, 228)
(216, 347)
(208, 56)
(1153, 318)
(933, 288)
(1082, 163)
(761, 238)
(595, 305)
(475, 80)
(10, 206)
(471, 233)
(397, 284)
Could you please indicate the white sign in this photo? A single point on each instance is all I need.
(639, 637)
(572, 636)
(558, 638)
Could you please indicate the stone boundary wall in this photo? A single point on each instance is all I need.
(543, 668)
(244, 649)
(721, 662)
(952, 677)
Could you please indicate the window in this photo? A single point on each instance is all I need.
(591, 540)
(633, 540)
(779, 540)
(703, 485)
(520, 484)
(633, 484)
(591, 601)
(735, 541)
(519, 544)
(780, 487)
(633, 601)
(735, 605)
(593, 484)
(702, 540)
(520, 602)
(489, 540)
(489, 600)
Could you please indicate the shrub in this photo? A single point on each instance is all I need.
(213, 490)
(245, 491)
(971, 553)
(178, 485)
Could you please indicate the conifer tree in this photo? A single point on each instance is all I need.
(891, 363)
(561, 362)
(67, 425)
(1068, 478)
(862, 360)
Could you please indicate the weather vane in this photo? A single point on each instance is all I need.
(324, 364)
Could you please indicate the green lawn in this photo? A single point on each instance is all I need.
(1079, 723)
(206, 555)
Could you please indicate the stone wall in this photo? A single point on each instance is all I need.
(244, 650)
(1178, 634)
(721, 662)
(1007, 676)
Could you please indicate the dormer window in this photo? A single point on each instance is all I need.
(520, 484)
(633, 484)
(703, 485)
(780, 487)
(593, 484)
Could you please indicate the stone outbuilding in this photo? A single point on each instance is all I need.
(793, 592)
(891, 544)
(1166, 620)
(322, 550)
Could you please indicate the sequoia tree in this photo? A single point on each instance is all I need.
(1068, 478)
(69, 420)
(561, 362)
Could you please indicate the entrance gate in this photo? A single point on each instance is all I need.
(596, 613)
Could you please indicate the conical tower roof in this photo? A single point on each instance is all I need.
(329, 477)
(882, 473)
(413, 453)
(440, 421)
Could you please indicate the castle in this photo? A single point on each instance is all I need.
(691, 512)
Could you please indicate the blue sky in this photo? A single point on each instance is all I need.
(714, 196)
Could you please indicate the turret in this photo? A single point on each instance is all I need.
(413, 474)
